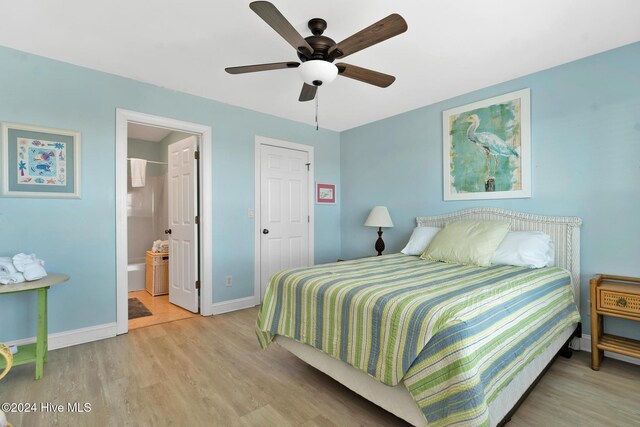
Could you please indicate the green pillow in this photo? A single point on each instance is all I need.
(469, 242)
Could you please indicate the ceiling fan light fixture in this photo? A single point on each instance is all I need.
(317, 72)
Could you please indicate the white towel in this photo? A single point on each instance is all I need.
(10, 279)
(160, 246)
(30, 266)
(6, 267)
(138, 172)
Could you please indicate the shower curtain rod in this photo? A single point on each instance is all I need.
(151, 161)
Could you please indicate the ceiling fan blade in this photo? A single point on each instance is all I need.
(365, 75)
(272, 16)
(261, 67)
(308, 92)
(382, 30)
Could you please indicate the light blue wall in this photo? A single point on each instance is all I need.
(78, 236)
(586, 163)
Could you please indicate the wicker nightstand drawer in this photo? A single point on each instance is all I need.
(617, 301)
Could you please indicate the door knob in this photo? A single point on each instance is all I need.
(167, 231)
(265, 231)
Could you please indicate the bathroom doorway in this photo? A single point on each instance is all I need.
(162, 222)
(151, 262)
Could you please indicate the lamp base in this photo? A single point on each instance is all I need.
(380, 242)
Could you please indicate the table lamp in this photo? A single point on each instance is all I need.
(379, 217)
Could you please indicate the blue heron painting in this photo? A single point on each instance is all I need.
(485, 148)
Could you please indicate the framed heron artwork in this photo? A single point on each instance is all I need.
(40, 162)
(487, 148)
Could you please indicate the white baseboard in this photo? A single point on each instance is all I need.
(108, 330)
(74, 337)
(585, 345)
(233, 305)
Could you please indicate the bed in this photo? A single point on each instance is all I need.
(433, 372)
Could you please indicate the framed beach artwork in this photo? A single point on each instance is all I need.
(326, 194)
(40, 162)
(487, 149)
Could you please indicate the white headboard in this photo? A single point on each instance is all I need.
(564, 231)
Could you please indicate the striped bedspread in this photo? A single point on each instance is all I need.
(455, 335)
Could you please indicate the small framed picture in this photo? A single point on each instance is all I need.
(326, 194)
(40, 162)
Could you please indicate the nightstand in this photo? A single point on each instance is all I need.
(616, 296)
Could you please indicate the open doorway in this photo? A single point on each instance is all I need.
(151, 260)
(163, 220)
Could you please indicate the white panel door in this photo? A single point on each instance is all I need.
(284, 211)
(183, 237)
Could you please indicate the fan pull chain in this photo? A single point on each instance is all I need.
(317, 96)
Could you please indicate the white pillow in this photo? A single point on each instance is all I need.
(551, 254)
(532, 249)
(419, 240)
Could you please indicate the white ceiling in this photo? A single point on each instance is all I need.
(146, 133)
(451, 47)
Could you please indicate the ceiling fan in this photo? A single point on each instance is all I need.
(317, 52)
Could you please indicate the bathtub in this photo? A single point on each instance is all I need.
(136, 274)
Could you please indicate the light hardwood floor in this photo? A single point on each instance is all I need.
(211, 371)
(160, 307)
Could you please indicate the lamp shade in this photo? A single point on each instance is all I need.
(379, 217)
(316, 72)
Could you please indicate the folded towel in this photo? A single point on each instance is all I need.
(30, 266)
(6, 267)
(160, 246)
(138, 172)
(10, 279)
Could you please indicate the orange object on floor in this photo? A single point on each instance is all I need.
(162, 310)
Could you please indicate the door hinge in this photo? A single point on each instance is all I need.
(197, 219)
(197, 284)
(308, 164)
(308, 218)
(196, 154)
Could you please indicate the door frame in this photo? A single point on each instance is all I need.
(259, 142)
(123, 118)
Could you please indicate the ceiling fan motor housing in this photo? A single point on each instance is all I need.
(317, 69)
(320, 44)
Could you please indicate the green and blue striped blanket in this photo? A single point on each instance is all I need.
(454, 334)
